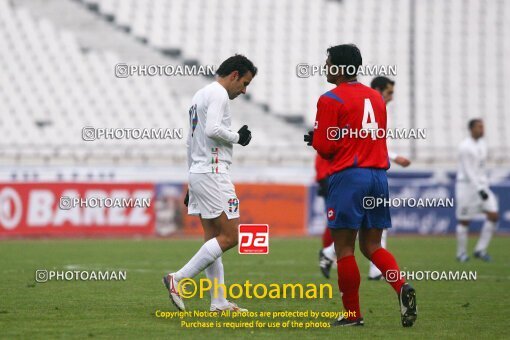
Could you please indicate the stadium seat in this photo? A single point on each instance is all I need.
(448, 53)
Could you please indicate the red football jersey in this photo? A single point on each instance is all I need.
(350, 128)
(321, 168)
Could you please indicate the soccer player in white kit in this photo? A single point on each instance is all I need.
(211, 194)
(472, 193)
(327, 256)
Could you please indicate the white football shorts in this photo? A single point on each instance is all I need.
(210, 194)
(469, 204)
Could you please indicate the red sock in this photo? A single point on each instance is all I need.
(386, 262)
(327, 240)
(348, 283)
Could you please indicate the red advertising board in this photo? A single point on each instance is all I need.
(283, 207)
(76, 209)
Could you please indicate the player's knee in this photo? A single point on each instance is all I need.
(368, 249)
(363, 249)
(344, 252)
(227, 240)
(230, 238)
(464, 223)
(233, 239)
(493, 216)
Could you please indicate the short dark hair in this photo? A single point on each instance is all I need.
(237, 63)
(381, 83)
(472, 122)
(346, 54)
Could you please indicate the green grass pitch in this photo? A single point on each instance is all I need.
(125, 309)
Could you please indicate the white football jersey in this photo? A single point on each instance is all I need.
(210, 140)
(472, 158)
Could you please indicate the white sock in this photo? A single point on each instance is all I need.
(330, 252)
(462, 239)
(206, 255)
(485, 236)
(373, 271)
(384, 236)
(215, 271)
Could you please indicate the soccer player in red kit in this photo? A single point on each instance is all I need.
(358, 162)
(327, 255)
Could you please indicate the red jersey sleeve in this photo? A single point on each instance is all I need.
(321, 168)
(327, 118)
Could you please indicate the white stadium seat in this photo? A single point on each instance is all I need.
(460, 69)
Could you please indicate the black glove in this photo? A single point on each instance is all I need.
(309, 138)
(322, 190)
(186, 199)
(483, 195)
(244, 135)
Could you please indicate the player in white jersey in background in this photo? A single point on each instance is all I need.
(211, 194)
(472, 193)
(327, 256)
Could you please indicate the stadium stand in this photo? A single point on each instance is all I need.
(290, 32)
(75, 86)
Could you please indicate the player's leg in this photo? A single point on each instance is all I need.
(227, 238)
(327, 240)
(215, 269)
(488, 229)
(348, 276)
(462, 232)
(384, 238)
(376, 220)
(210, 251)
(373, 272)
(327, 257)
(468, 205)
(345, 215)
(370, 246)
(490, 208)
(330, 252)
(209, 194)
(322, 192)
(326, 254)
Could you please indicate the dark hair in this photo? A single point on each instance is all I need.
(472, 122)
(347, 55)
(381, 83)
(237, 63)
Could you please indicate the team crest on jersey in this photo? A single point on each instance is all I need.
(233, 205)
(193, 118)
(215, 159)
(331, 214)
